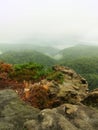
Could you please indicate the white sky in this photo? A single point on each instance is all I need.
(74, 19)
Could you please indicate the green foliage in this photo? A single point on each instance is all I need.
(78, 51)
(92, 80)
(21, 57)
(29, 71)
(35, 72)
(56, 76)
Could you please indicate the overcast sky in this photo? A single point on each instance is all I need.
(73, 20)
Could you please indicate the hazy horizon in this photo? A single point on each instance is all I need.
(59, 22)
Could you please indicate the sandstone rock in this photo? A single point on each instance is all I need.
(70, 109)
(74, 87)
(92, 98)
(49, 120)
(65, 117)
(81, 116)
(13, 111)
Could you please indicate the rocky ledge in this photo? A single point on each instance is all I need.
(66, 105)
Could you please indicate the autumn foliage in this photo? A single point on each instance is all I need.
(26, 79)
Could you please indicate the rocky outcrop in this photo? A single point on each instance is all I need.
(49, 120)
(92, 98)
(65, 117)
(72, 89)
(17, 115)
(63, 104)
(13, 111)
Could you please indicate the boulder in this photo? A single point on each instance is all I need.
(65, 117)
(92, 98)
(81, 116)
(13, 111)
(49, 120)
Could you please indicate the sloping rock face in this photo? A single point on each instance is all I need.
(92, 98)
(74, 88)
(16, 115)
(49, 120)
(65, 117)
(13, 111)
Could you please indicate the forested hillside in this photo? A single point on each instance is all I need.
(20, 57)
(87, 67)
(48, 50)
(78, 51)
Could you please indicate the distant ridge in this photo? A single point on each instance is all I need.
(78, 51)
(16, 57)
(48, 50)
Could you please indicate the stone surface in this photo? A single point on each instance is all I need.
(49, 120)
(13, 111)
(92, 98)
(81, 116)
(65, 117)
